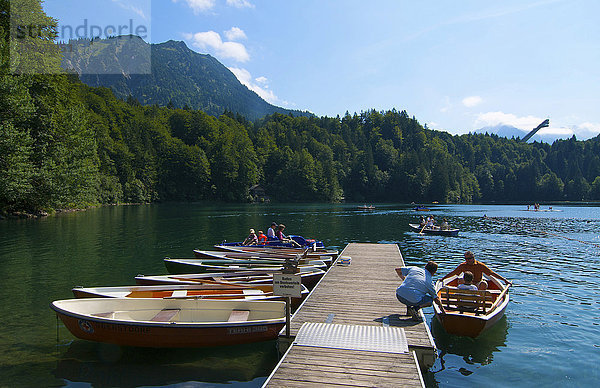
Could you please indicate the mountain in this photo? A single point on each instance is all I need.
(175, 74)
(509, 131)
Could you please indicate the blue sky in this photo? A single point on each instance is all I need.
(456, 66)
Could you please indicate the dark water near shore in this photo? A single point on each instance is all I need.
(550, 335)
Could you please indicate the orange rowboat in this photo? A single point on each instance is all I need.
(469, 312)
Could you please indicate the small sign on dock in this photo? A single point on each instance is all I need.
(289, 285)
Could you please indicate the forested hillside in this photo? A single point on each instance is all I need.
(64, 144)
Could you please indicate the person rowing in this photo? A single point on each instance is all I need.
(477, 268)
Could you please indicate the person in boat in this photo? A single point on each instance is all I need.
(417, 290)
(282, 237)
(279, 234)
(252, 238)
(430, 223)
(271, 231)
(468, 282)
(444, 225)
(262, 238)
(477, 268)
(422, 222)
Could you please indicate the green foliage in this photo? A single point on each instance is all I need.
(65, 144)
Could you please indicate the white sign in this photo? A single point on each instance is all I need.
(289, 285)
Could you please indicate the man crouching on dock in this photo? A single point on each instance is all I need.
(417, 290)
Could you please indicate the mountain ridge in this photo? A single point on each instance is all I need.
(508, 131)
(172, 74)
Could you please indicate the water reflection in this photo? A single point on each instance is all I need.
(478, 350)
(107, 365)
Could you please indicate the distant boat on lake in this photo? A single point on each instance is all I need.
(435, 230)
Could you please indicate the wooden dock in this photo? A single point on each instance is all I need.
(360, 294)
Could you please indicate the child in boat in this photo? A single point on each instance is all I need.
(262, 239)
(468, 282)
(252, 239)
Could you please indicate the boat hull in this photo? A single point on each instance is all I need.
(309, 277)
(468, 326)
(167, 334)
(467, 323)
(183, 266)
(435, 232)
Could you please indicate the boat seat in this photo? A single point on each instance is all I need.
(477, 301)
(109, 314)
(165, 315)
(239, 315)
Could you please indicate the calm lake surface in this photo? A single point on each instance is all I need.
(550, 335)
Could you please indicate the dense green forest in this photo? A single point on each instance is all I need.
(64, 144)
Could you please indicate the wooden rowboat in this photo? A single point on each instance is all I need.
(214, 290)
(469, 312)
(171, 323)
(271, 256)
(276, 250)
(175, 265)
(435, 230)
(309, 276)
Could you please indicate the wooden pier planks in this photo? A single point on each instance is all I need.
(306, 366)
(362, 293)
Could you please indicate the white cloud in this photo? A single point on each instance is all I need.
(245, 78)
(472, 101)
(587, 130)
(526, 123)
(132, 8)
(235, 33)
(211, 40)
(199, 5)
(261, 80)
(240, 3)
(498, 118)
(204, 5)
(446, 104)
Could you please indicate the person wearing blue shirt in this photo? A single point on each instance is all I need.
(417, 290)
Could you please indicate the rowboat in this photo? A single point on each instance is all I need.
(298, 242)
(213, 290)
(421, 209)
(206, 290)
(365, 207)
(175, 265)
(277, 250)
(309, 276)
(470, 312)
(171, 323)
(436, 230)
(271, 256)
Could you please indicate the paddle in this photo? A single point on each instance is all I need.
(421, 232)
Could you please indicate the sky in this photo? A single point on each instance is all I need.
(454, 65)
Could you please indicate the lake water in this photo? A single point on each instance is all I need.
(550, 335)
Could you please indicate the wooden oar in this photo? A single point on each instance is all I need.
(500, 297)
(421, 232)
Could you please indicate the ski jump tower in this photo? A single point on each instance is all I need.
(544, 124)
